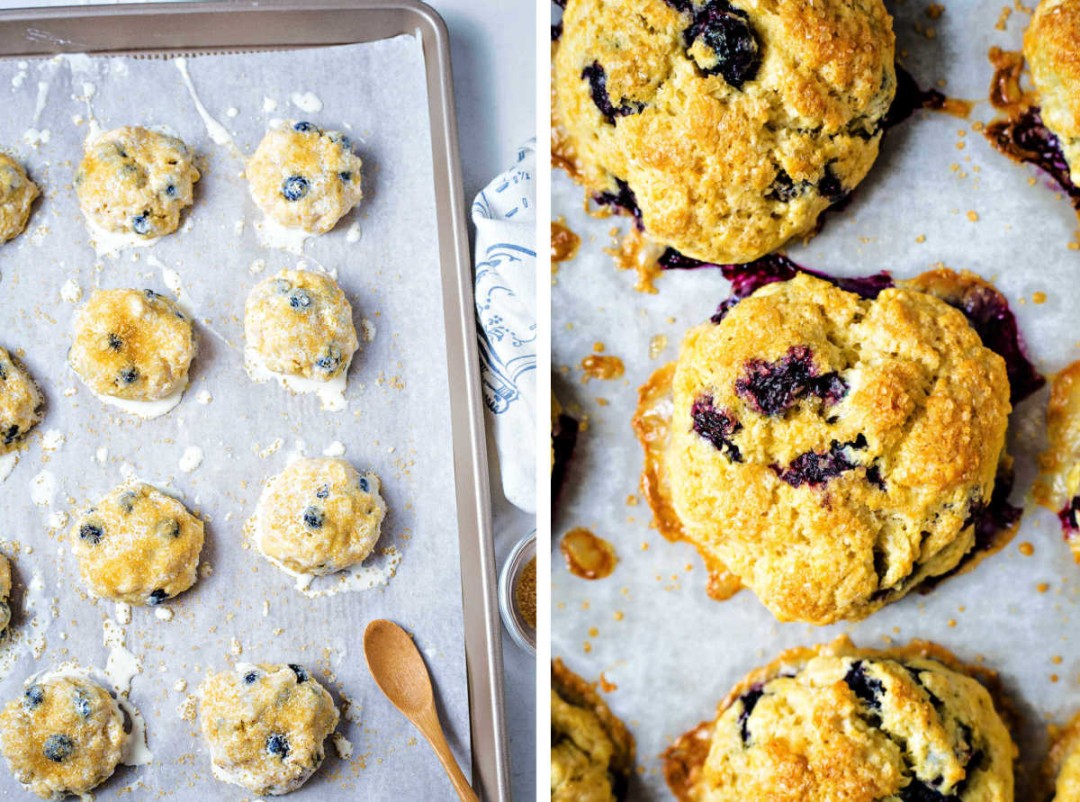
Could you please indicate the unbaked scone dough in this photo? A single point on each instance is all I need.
(5, 592)
(17, 194)
(318, 516)
(834, 452)
(132, 344)
(138, 545)
(20, 402)
(1051, 43)
(299, 323)
(304, 177)
(63, 737)
(592, 753)
(726, 128)
(1058, 487)
(266, 726)
(136, 181)
(858, 725)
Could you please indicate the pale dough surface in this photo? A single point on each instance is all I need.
(20, 402)
(17, 194)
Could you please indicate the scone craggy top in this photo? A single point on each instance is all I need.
(832, 723)
(17, 194)
(135, 180)
(132, 344)
(728, 127)
(845, 446)
(1052, 50)
(266, 725)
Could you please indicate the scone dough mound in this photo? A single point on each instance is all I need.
(138, 545)
(299, 323)
(266, 725)
(319, 516)
(858, 726)
(5, 592)
(1058, 487)
(1051, 44)
(304, 177)
(833, 452)
(63, 737)
(20, 402)
(727, 128)
(132, 344)
(136, 181)
(17, 194)
(592, 753)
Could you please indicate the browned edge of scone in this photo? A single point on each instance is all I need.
(1063, 740)
(684, 760)
(581, 693)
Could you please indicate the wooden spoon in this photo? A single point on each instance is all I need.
(399, 671)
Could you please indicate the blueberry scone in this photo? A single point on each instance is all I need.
(20, 402)
(137, 545)
(304, 177)
(839, 723)
(1064, 762)
(136, 181)
(592, 753)
(318, 516)
(726, 128)
(17, 194)
(63, 737)
(134, 345)
(829, 451)
(1058, 487)
(299, 323)
(5, 592)
(1050, 46)
(266, 726)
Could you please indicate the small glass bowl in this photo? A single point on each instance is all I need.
(523, 635)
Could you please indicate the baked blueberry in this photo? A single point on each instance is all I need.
(305, 127)
(301, 672)
(277, 745)
(156, 597)
(58, 748)
(749, 702)
(140, 224)
(295, 187)
(91, 533)
(716, 426)
(597, 78)
(772, 388)
(33, 696)
(727, 33)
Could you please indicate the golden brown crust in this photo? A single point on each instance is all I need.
(1052, 50)
(1063, 763)
(720, 173)
(1059, 482)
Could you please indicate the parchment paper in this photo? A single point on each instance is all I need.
(673, 652)
(397, 420)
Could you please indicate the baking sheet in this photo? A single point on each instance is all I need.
(671, 651)
(385, 255)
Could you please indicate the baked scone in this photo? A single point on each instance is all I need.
(132, 344)
(5, 592)
(266, 726)
(839, 723)
(1051, 43)
(833, 452)
(1064, 762)
(726, 128)
(20, 402)
(17, 194)
(136, 181)
(318, 516)
(137, 545)
(592, 753)
(299, 323)
(63, 737)
(1058, 488)
(304, 177)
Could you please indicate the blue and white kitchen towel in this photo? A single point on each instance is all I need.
(505, 254)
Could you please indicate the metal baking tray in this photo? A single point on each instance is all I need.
(214, 27)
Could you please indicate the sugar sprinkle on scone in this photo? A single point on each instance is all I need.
(834, 452)
(318, 516)
(63, 737)
(304, 177)
(1058, 487)
(266, 726)
(136, 181)
(17, 194)
(1052, 50)
(138, 545)
(134, 345)
(836, 722)
(727, 128)
(592, 753)
(20, 402)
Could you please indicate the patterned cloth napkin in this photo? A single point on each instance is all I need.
(505, 256)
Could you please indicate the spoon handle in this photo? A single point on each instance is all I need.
(434, 734)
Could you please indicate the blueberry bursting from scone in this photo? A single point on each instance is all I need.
(833, 451)
(839, 723)
(725, 127)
